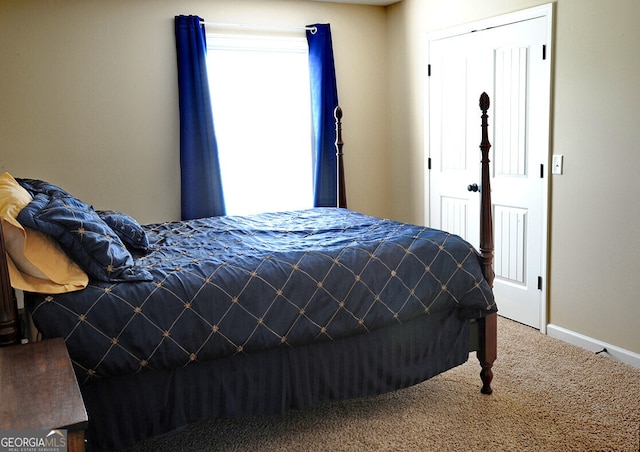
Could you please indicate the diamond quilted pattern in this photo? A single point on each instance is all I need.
(231, 285)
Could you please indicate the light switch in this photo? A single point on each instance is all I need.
(556, 166)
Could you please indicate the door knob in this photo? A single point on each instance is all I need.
(473, 187)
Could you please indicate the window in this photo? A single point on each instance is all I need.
(261, 103)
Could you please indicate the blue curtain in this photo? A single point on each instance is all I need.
(201, 185)
(324, 99)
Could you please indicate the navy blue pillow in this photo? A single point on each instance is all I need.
(127, 228)
(81, 233)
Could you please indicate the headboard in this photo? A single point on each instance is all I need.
(9, 323)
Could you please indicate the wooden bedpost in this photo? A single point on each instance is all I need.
(486, 220)
(342, 191)
(488, 326)
(9, 327)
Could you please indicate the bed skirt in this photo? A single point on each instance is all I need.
(126, 410)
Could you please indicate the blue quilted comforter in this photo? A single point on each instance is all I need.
(228, 285)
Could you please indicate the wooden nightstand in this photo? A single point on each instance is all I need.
(39, 391)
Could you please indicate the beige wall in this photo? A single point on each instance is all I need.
(88, 95)
(594, 289)
(88, 100)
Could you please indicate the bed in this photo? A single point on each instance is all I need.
(239, 316)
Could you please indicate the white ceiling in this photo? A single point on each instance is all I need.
(363, 2)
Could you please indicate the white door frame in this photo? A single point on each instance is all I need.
(546, 11)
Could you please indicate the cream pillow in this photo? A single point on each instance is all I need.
(36, 262)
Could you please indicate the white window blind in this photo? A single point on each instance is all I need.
(260, 95)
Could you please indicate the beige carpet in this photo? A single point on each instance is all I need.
(548, 396)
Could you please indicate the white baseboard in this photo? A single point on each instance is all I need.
(594, 345)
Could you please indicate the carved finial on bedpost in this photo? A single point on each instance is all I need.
(342, 191)
(484, 102)
(488, 338)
